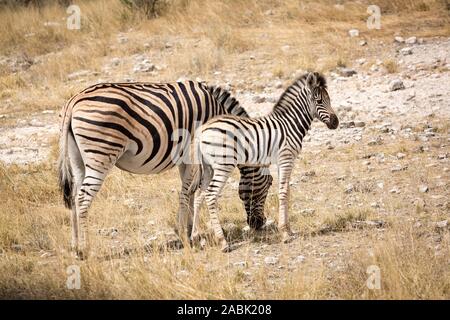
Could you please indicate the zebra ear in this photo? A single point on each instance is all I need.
(311, 80)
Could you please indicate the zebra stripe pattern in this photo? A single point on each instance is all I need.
(228, 141)
(132, 126)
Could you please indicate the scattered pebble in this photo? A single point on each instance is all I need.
(271, 260)
(396, 84)
(353, 33)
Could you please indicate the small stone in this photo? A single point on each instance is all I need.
(17, 247)
(353, 33)
(401, 155)
(271, 260)
(78, 74)
(423, 188)
(122, 39)
(183, 273)
(406, 51)
(115, 61)
(396, 84)
(398, 168)
(411, 40)
(362, 43)
(442, 224)
(144, 66)
(399, 39)
(36, 123)
(349, 188)
(375, 205)
(278, 85)
(308, 211)
(394, 190)
(300, 259)
(241, 264)
(361, 61)
(347, 124)
(346, 72)
(259, 99)
(374, 68)
(360, 124)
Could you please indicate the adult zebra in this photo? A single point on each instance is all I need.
(227, 141)
(132, 126)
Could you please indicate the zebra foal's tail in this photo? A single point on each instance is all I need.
(64, 169)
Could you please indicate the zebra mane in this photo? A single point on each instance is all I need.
(229, 103)
(297, 85)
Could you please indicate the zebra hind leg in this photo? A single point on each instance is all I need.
(95, 174)
(220, 176)
(78, 172)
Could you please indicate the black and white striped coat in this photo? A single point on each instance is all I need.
(143, 128)
(227, 141)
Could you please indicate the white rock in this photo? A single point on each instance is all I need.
(353, 33)
(258, 99)
(411, 40)
(144, 66)
(78, 74)
(406, 51)
(241, 264)
(442, 224)
(399, 39)
(361, 61)
(278, 85)
(300, 259)
(396, 84)
(423, 188)
(271, 260)
(346, 72)
(394, 190)
(115, 61)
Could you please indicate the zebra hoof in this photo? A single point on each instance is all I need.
(81, 255)
(225, 247)
(287, 237)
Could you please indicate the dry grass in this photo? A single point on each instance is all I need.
(35, 237)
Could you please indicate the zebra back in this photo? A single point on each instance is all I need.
(230, 104)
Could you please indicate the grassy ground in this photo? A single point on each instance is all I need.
(132, 217)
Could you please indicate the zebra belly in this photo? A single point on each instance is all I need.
(130, 163)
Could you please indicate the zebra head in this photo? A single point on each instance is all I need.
(320, 106)
(253, 188)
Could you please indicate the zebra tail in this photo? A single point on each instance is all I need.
(64, 169)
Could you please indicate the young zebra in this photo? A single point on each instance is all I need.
(277, 138)
(132, 126)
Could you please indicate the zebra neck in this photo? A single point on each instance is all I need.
(295, 120)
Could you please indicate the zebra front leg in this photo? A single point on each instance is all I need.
(199, 197)
(220, 177)
(285, 165)
(186, 203)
